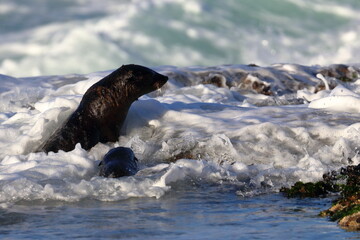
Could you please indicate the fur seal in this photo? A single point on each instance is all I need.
(118, 162)
(103, 108)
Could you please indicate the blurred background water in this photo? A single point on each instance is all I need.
(82, 36)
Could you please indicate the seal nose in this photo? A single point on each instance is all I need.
(159, 80)
(162, 78)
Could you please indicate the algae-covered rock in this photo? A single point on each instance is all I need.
(351, 222)
(346, 183)
(309, 189)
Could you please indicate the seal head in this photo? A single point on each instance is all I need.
(119, 162)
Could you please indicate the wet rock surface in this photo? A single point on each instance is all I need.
(344, 182)
(275, 80)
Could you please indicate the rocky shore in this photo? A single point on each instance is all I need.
(345, 185)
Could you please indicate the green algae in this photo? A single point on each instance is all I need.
(344, 182)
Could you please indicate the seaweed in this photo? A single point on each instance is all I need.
(346, 183)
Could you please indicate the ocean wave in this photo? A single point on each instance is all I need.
(89, 36)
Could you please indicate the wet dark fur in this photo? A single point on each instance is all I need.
(118, 162)
(103, 108)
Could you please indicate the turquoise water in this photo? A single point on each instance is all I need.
(83, 36)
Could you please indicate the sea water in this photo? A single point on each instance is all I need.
(212, 159)
(212, 156)
(207, 212)
(83, 36)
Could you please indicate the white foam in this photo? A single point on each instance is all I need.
(340, 99)
(188, 132)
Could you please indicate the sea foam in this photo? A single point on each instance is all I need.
(193, 131)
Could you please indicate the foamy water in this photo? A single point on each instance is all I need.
(187, 130)
(84, 36)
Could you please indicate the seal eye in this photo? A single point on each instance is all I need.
(137, 76)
